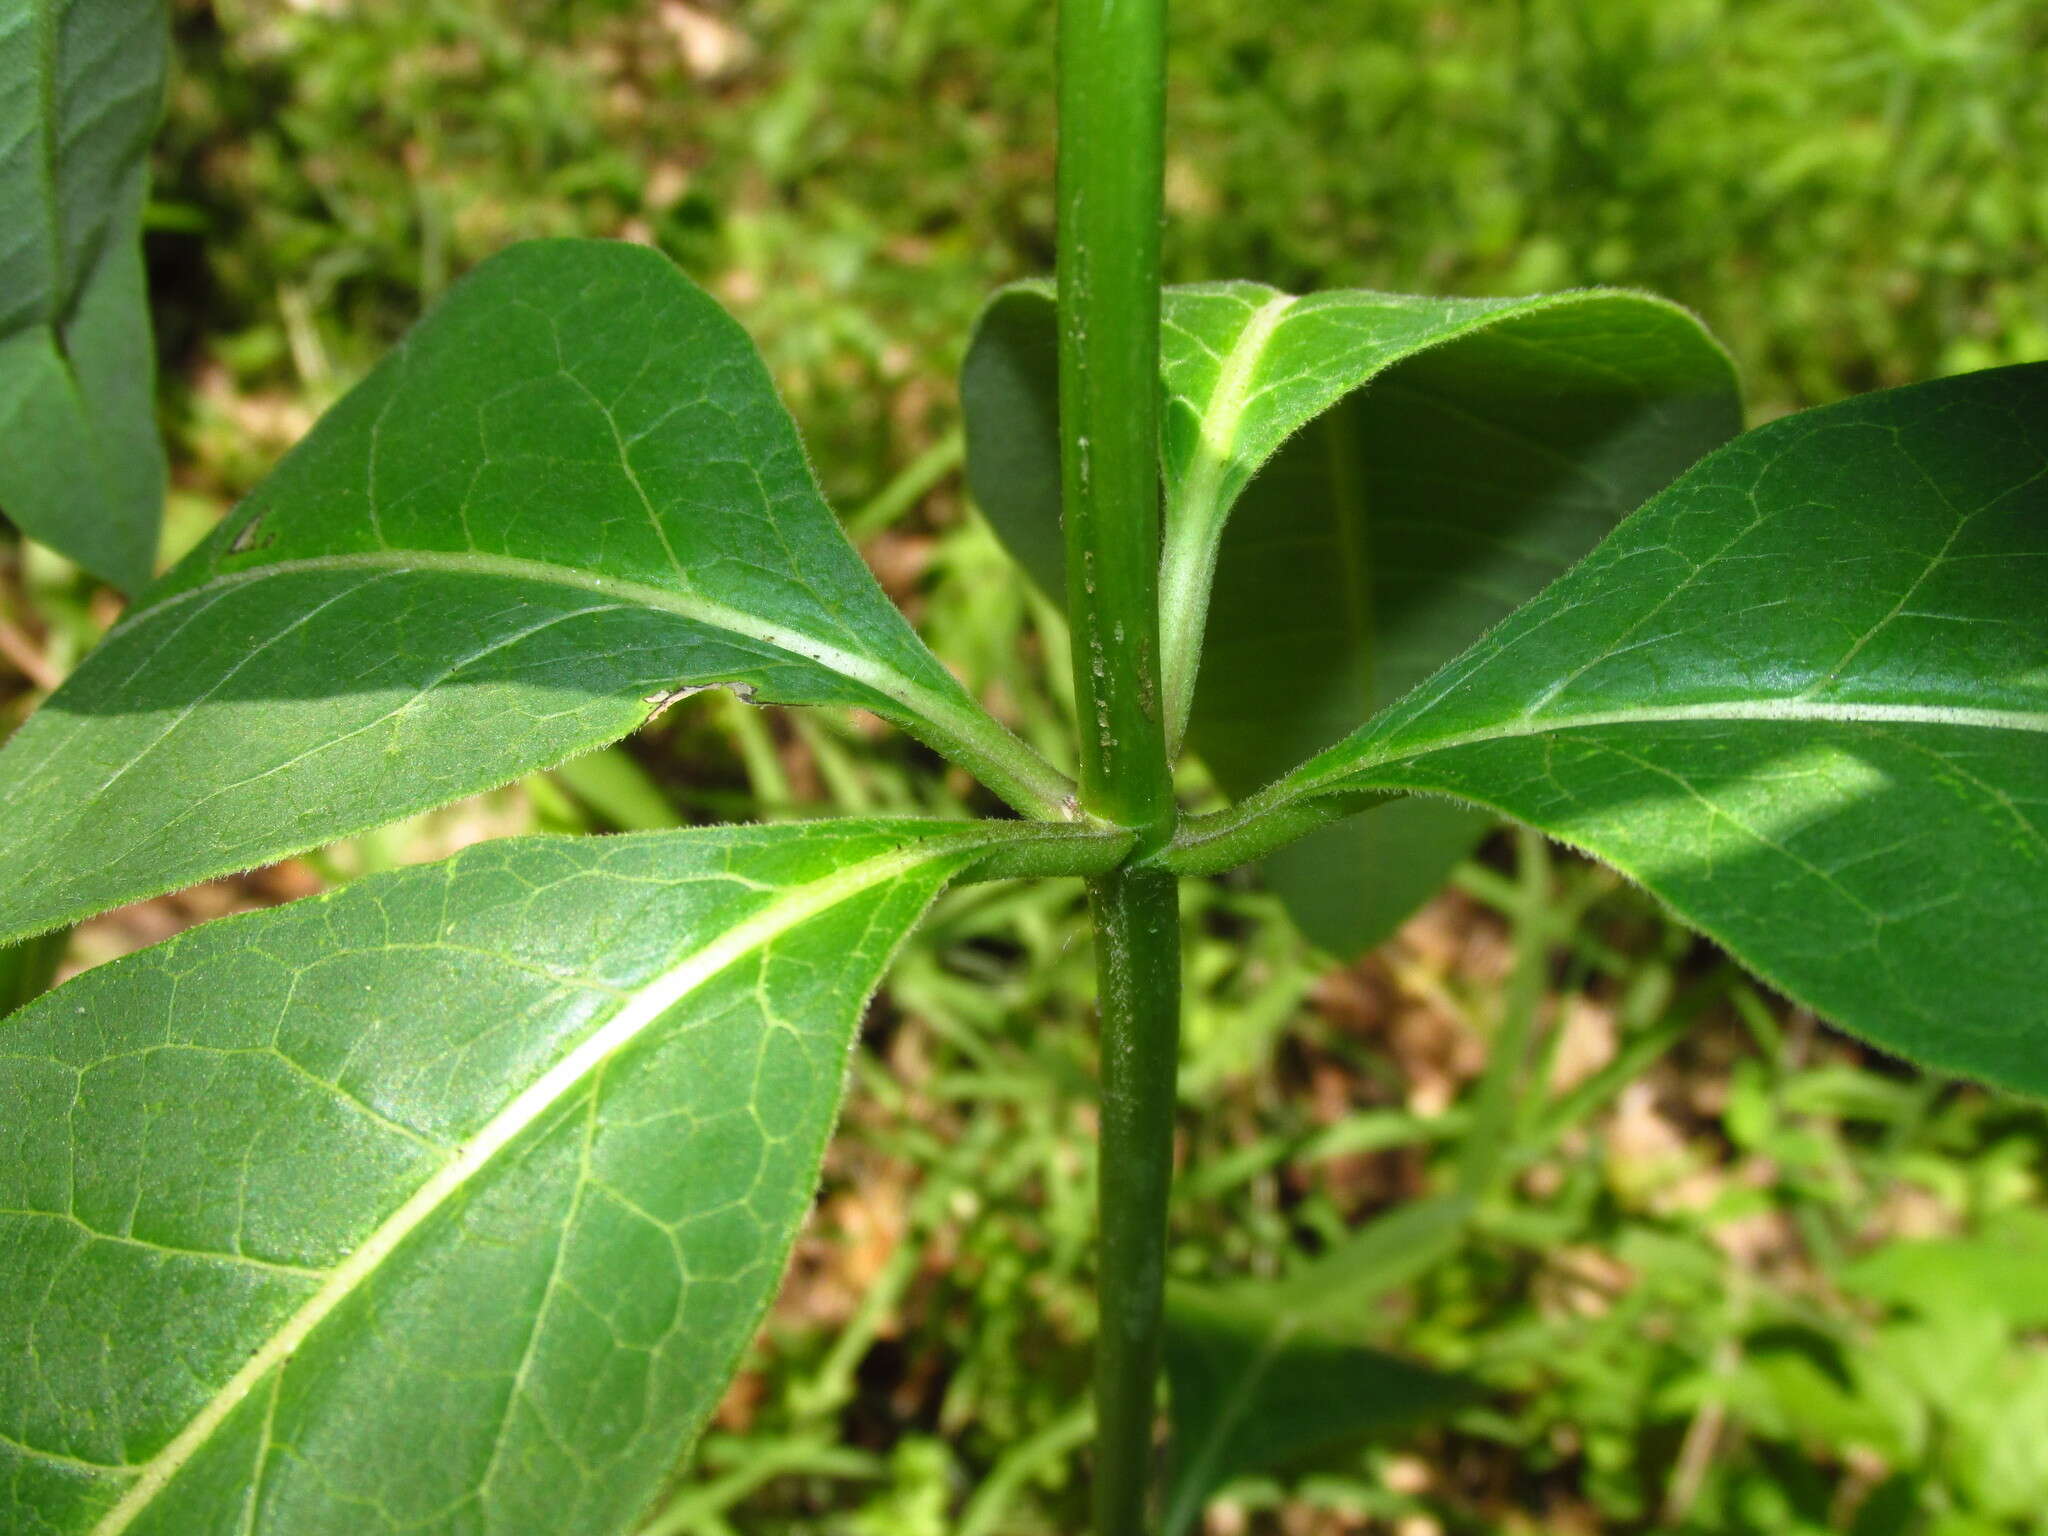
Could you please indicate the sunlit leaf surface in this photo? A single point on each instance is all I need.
(445, 1202)
(1803, 697)
(571, 493)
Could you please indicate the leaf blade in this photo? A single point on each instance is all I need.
(1800, 696)
(568, 498)
(581, 1087)
(1266, 1373)
(1368, 482)
(81, 87)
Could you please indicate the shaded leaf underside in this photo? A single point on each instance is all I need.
(1406, 520)
(1266, 1373)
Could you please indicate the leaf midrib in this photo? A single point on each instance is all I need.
(967, 728)
(1222, 414)
(1803, 710)
(1194, 522)
(644, 1008)
(862, 669)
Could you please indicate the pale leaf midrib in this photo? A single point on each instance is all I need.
(1808, 711)
(1194, 524)
(944, 716)
(1248, 350)
(950, 721)
(865, 670)
(647, 1005)
(1223, 412)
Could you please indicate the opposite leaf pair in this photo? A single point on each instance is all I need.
(448, 1199)
(1801, 695)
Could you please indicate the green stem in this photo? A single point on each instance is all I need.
(1137, 941)
(1112, 101)
(1112, 97)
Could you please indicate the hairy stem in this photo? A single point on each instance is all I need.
(1112, 105)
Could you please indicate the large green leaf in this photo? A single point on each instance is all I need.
(1403, 472)
(445, 1202)
(81, 468)
(1264, 1374)
(1803, 697)
(571, 494)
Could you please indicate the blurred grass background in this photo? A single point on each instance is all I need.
(1749, 1277)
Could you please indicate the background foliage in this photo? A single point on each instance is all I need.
(1749, 1277)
